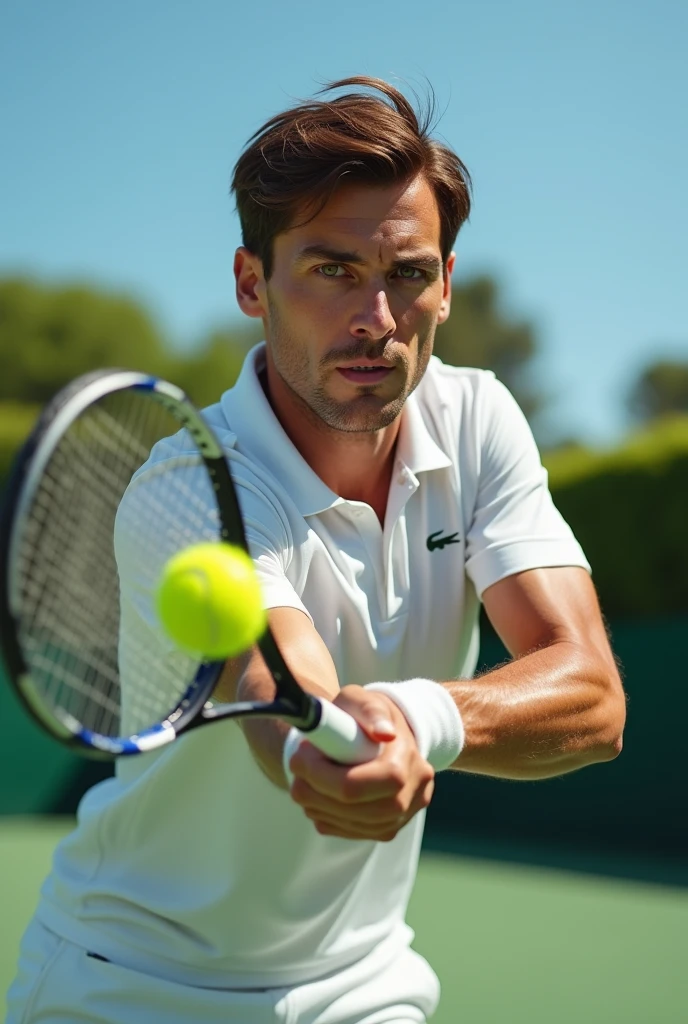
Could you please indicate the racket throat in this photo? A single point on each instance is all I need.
(306, 718)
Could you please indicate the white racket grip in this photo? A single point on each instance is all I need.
(337, 735)
(340, 736)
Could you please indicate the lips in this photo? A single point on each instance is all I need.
(365, 373)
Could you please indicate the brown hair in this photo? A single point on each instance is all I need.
(298, 158)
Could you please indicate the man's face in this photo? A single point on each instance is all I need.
(353, 303)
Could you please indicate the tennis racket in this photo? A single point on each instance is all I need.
(120, 473)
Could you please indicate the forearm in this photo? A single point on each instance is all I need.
(309, 660)
(547, 713)
(266, 736)
(247, 679)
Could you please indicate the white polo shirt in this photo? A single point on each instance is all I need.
(190, 864)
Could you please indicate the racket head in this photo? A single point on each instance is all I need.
(64, 509)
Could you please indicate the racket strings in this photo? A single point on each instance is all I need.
(69, 559)
(68, 580)
(176, 500)
(66, 525)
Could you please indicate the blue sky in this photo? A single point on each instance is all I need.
(121, 123)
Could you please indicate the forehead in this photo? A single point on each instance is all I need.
(401, 215)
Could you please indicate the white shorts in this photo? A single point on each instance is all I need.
(58, 982)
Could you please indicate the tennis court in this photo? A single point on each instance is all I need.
(511, 944)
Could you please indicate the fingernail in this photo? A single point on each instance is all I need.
(384, 726)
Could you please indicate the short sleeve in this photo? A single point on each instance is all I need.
(515, 524)
(269, 537)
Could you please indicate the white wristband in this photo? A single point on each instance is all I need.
(292, 743)
(433, 716)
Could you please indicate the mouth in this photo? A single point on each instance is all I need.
(365, 373)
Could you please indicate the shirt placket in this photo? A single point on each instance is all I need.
(395, 540)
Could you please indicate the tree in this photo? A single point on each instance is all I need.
(214, 366)
(661, 389)
(479, 333)
(49, 335)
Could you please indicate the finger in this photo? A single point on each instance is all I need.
(390, 809)
(316, 805)
(371, 711)
(343, 830)
(347, 783)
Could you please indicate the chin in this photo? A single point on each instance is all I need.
(353, 416)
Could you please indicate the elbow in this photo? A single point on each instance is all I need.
(609, 740)
(601, 748)
(608, 750)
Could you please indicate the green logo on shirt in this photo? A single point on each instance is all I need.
(434, 541)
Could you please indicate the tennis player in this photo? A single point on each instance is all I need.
(238, 875)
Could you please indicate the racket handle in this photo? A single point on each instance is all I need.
(340, 737)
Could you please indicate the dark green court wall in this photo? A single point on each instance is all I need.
(636, 804)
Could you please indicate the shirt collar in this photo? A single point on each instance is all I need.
(260, 434)
(250, 417)
(416, 447)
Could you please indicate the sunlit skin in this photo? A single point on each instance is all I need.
(361, 284)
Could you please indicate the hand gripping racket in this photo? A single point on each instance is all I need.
(90, 518)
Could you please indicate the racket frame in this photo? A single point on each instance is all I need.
(292, 703)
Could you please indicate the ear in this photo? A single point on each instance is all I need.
(445, 305)
(250, 283)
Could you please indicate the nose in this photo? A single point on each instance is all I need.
(373, 318)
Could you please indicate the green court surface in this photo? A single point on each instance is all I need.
(511, 944)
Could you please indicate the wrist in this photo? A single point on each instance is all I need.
(432, 715)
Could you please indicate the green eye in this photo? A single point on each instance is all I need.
(409, 273)
(330, 269)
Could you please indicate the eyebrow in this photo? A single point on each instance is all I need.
(323, 252)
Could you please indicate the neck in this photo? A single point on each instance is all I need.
(356, 466)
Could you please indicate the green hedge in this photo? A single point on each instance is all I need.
(628, 508)
(15, 423)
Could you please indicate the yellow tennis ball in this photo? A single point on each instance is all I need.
(209, 601)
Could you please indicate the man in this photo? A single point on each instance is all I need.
(385, 497)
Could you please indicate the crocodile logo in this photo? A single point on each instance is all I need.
(435, 542)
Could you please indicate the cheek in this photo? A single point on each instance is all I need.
(420, 316)
(307, 305)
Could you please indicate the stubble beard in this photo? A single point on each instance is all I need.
(364, 414)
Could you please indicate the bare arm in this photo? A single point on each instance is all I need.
(557, 707)
(370, 801)
(560, 704)
(249, 679)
